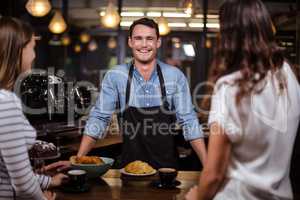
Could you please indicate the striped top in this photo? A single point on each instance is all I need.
(16, 137)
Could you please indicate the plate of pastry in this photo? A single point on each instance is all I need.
(138, 168)
(94, 165)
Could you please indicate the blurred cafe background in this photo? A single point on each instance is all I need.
(80, 39)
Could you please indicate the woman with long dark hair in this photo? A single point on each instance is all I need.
(254, 110)
(17, 180)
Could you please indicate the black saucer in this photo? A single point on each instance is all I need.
(157, 184)
(71, 189)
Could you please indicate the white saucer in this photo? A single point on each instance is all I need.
(132, 174)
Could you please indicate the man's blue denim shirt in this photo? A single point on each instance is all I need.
(143, 94)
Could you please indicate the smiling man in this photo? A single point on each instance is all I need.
(151, 96)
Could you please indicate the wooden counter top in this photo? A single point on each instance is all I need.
(113, 186)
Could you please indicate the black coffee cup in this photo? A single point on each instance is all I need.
(77, 178)
(167, 176)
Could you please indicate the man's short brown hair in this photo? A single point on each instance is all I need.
(146, 22)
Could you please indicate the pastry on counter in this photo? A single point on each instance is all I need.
(139, 167)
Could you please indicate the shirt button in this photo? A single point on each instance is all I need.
(141, 79)
(147, 104)
(147, 91)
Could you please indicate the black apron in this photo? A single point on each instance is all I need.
(148, 133)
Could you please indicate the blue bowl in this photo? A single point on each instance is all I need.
(93, 170)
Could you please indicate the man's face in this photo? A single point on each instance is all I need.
(144, 43)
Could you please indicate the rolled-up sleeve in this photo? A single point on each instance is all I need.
(101, 113)
(185, 113)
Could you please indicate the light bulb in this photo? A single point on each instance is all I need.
(112, 43)
(163, 26)
(38, 8)
(111, 18)
(85, 37)
(93, 46)
(66, 40)
(77, 48)
(57, 24)
(177, 45)
(188, 7)
(208, 43)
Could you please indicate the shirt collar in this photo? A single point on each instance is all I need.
(153, 75)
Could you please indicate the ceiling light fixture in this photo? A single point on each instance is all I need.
(201, 25)
(163, 26)
(38, 8)
(93, 46)
(213, 25)
(132, 14)
(188, 6)
(153, 14)
(84, 37)
(57, 24)
(126, 14)
(176, 14)
(126, 23)
(111, 18)
(177, 24)
(77, 48)
(66, 40)
(111, 43)
(196, 25)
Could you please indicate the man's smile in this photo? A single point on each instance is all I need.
(144, 51)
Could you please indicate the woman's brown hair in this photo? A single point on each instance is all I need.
(14, 36)
(246, 44)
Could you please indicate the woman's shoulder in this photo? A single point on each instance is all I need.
(229, 79)
(8, 97)
(291, 70)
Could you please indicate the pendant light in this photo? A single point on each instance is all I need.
(163, 26)
(188, 6)
(57, 24)
(38, 8)
(66, 40)
(111, 43)
(77, 48)
(208, 43)
(111, 18)
(84, 37)
(92, 46)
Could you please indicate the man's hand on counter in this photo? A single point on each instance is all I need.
(58, 166)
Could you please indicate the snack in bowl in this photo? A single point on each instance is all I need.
(139, 167)
(90, 160)
(94, 166)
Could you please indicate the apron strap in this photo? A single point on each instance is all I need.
(162, 87)
(161, 81)
(128, 86)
